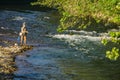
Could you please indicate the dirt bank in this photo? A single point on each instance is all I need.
(8, 52)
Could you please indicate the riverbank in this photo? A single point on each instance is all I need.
(7, 57)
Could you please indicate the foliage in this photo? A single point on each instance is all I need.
(115, 51)
(114, 54)
(81, 13)
(75, 13)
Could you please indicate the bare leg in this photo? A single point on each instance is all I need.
(21, 41)
(25, 40)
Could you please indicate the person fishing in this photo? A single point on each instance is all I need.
(23, 34)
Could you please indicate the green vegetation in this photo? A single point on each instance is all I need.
(81, 13)
(96, 14)
(115, 39)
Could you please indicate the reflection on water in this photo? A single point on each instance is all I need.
(96, 70)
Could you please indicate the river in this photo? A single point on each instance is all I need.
(55, 56)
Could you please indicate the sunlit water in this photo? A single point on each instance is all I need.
(58, 56)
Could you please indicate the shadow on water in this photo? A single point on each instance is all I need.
(22, 8)
(97, 70)
(6, 76)
(91, 67)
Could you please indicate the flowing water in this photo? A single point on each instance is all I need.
(55, 56)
